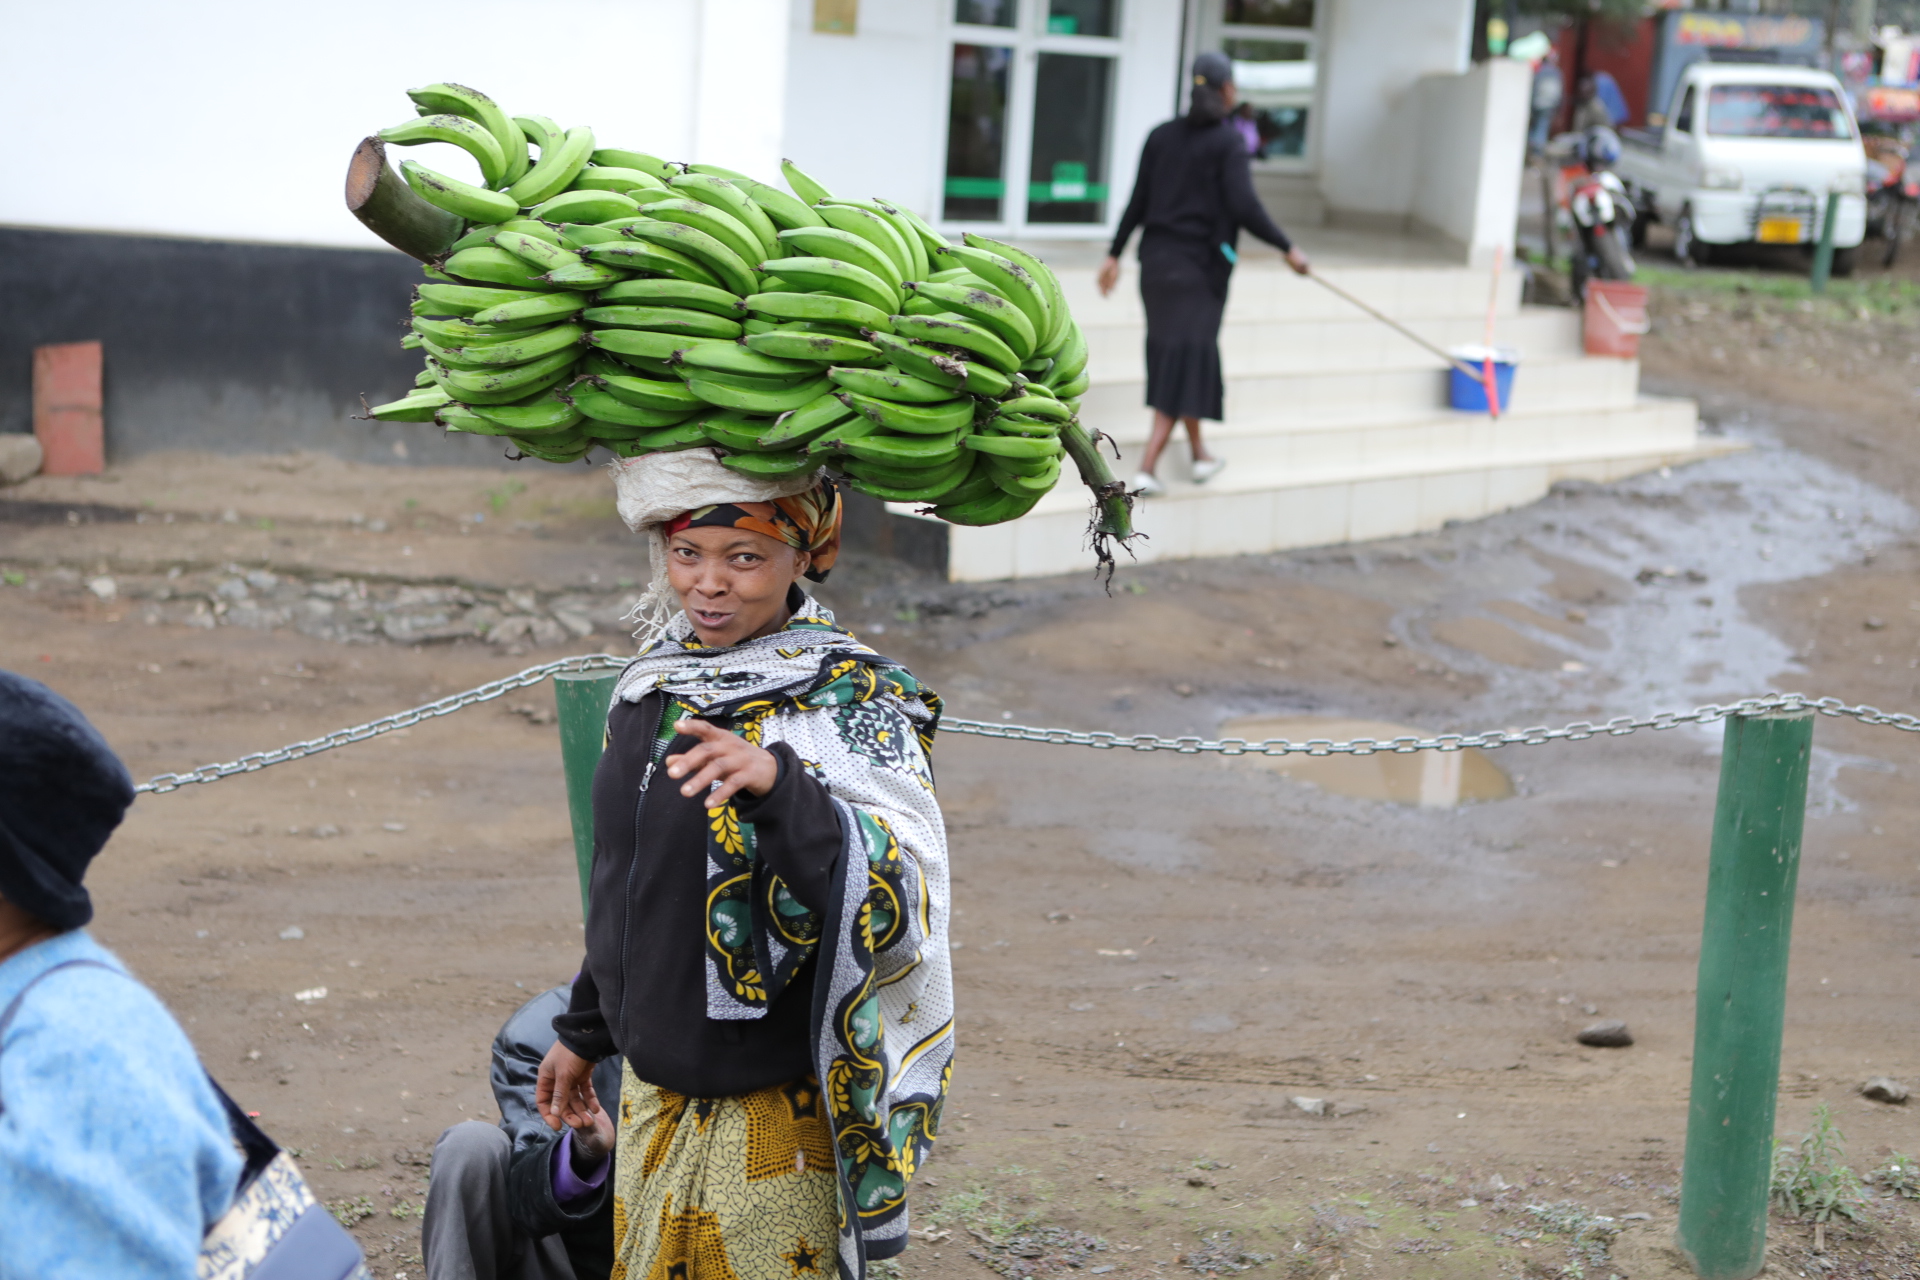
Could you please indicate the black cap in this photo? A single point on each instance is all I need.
(1212, 70)
(62, 792)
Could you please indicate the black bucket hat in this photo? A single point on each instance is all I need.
(62, 792)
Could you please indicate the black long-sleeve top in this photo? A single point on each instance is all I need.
(1195, 186)
(642, 989)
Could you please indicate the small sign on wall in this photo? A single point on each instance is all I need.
(836, 17)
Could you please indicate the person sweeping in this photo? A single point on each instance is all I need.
(1191, 197)
(767, 924)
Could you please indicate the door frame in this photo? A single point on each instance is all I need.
(1203, 32)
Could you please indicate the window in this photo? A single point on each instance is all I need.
(1271, 45)
(985, 13)
(977, 133)
(1068, 172)
(1684, 120)
(1775, 111)
(1268, 13)
(1082, 18)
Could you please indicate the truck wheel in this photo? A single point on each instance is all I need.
(1640, 221)
(1843, 261)
(1686, 248)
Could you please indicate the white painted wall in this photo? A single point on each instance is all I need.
(1373, 56)
(235, 120)
(1472, 145)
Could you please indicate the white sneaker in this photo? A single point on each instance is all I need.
(1205, 469)
(1147, 487)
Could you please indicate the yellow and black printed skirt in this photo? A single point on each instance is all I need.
(724, 1188)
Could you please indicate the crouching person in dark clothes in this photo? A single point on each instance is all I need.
(516, 1200)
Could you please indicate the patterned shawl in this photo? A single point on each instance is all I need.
(863, 726)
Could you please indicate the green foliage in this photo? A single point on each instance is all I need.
(407, 1209)
(1883, 295)
(1591, 1235)
(352, 1211)
(1812, 1179)
(1900, 1175)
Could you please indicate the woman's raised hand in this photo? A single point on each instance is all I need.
(564, 1090)
(724, 758)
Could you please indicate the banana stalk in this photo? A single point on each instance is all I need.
(390, 209)
(1112, 504)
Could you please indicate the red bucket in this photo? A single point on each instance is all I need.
(1616, 317)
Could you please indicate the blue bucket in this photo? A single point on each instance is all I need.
(1469, 395)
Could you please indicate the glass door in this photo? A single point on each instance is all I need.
(1272, 44)
(1030, 90)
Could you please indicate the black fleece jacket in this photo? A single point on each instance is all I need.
(1194, 192)
(642, 989)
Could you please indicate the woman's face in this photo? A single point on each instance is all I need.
(732, 582)
(1230, 94)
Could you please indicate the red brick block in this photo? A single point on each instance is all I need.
(67, 404)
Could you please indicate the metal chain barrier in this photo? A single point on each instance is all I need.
(1579, 731)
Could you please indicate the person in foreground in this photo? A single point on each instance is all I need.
(516, 1200)
(767, 918)
(1193, 194)
(115, 1152)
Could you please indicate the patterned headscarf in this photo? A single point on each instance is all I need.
(807, 521)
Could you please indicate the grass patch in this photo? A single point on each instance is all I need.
(1812, 1179)
(1884, 296)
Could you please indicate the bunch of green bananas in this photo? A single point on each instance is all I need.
(611, 298)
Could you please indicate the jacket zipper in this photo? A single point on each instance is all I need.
(633, 865)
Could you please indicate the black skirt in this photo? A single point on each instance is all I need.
(1185, 295)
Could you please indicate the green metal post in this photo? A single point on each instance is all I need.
(1740, 1004)
(581, 700)
(1823, 252)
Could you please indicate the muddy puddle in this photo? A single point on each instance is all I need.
(1427, 779)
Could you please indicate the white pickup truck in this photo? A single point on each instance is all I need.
(1748, 154)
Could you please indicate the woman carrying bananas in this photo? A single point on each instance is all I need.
(767, 928)
(1192, 195)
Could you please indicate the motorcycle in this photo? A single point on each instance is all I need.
(1603, 214)
(1893, 194)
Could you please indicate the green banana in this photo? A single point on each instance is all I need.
(729, 268)
(872, 227)
(720, 389)
(827, 307)
(459, 417)
(537, 252)
(978, 484)
(1034, 484)
(533, 307)
(956, 331)
(534, 346)
(770, 466)
(783, 210)
(536, 415)
(411, 342)
(672, 293)
(1073, 388)
(833, 442)
(996, 508)
(469, 135)
(738, 430)
(713, 221)
(792, 343)
(495, 265)
(903, 451)
(842, 246)
(683, 435)
(541, 131)
(993, 312)
(681, 320)
(656, 259)
(484, 233)
(1003, 468)
(607, 177)
(902, 388)
(959, 275)
(475, 204)
(499, 386)
(566, 450)
(586, 206)
(809, 191)
(930, 240)
(1057, 313)
(805, 424)
(732, 200)
(1015, 446)
(646, 393)
(718, 171)
(653, 166)
(418, 405)
(753, 324)
(424, 379)
(922, 362)
(583, 275)
(908, 233)
(465, 333)
(448, 357)
(915, 305)
(731, 357)
(915, 419)
(467, 299)
(640, 342)
(1035, 388)
(1008, 279)
(909, 477)
(558, 166)
(1071, 360)
(1035, 406)
(1021, 425)
(603, 407)
(458, 100)
(830, 275)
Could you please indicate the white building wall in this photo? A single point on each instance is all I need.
(235, 120)
(1472, 145)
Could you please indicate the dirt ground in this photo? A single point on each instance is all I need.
(1156, 955)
